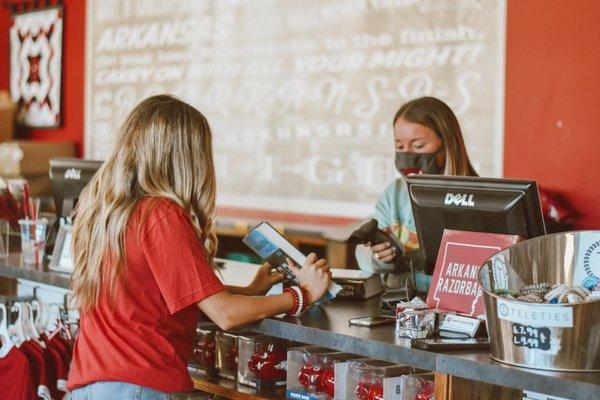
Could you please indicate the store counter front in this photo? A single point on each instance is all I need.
(327, 326)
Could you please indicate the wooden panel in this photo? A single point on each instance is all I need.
(8, 286)
(449, 387)
(442, 386)
(231, 390)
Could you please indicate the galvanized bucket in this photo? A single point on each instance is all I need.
(556, 337)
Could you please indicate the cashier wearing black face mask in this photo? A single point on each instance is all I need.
(427, 140)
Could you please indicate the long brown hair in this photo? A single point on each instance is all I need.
(164, 150)
(436, 115)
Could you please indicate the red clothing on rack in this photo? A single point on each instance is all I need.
(145, 337)
(16, 380)
(61, 344)
(61, 368)
(39, 368)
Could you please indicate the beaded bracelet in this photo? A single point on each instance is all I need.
(300, 297)
(305, 295)
(295, 298)
(301, 301)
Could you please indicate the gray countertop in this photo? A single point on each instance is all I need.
(14, 268)
(328, 326)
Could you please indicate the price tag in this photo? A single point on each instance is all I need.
(460, 324)
(531, 337)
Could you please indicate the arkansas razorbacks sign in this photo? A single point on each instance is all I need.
(454, 285)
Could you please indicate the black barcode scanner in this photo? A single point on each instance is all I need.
(369, 232)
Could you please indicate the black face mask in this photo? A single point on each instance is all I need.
(417, 163)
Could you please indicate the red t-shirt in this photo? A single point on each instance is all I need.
(16, 380)
(60, 367)
(146, 337)
(39, 367)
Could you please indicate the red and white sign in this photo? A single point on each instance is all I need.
(454, 285)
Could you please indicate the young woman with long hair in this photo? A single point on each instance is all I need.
(143, 245)
(427, 139)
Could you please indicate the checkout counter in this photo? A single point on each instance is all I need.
(459, 374)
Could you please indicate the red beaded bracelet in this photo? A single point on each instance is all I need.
(296, 299)
(300, 296)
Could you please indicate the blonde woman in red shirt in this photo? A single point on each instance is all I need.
(143, 246)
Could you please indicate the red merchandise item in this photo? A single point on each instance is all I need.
(147, 335)
(50, 371)
(61, 370)
(16, 379)
(327, 381)
(369, 390)
(231, 358)
(61, 344)
(305, 375)
(362, 390)
(426, 390)
(268, 362)
(39, 368)
(204, 350)
(553, 207)
(316, 378)
(454, 284)
(68, 345)
(376, 392)
(60, 357)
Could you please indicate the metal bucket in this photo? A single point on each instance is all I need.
(556, 337)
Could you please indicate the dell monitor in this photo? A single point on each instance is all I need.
(68, 177)
(472, 204)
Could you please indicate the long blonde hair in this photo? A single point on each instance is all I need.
(436, 115)
(164, 150)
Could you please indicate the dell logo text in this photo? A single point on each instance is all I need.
(73, 174)
(463, 200)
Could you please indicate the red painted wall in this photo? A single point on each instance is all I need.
(4, 47)
(552, 115)
(72, 74)
(552, 120)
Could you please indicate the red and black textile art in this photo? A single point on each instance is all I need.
(35, 66)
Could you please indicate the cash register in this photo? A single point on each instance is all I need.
(68, 178)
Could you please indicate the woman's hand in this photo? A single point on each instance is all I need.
(384, 252)
(314, 276)
(264, 278)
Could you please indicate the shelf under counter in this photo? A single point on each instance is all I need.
(232, 390)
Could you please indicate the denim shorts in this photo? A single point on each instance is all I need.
(121, 391)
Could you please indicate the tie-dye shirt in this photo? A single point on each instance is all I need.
(393, 210)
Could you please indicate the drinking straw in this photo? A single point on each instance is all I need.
(26, 200)
(35, 208)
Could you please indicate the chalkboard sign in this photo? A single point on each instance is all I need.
(531, 337)
(300, 94)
